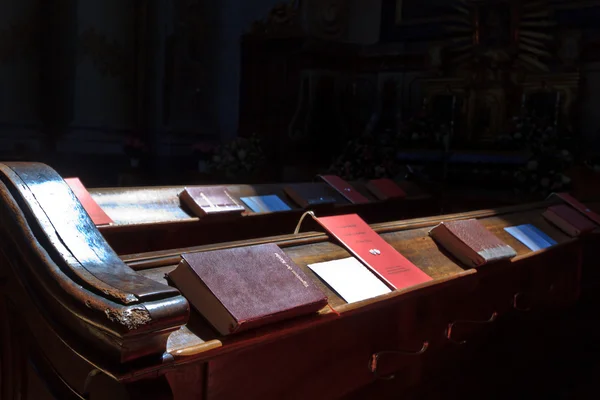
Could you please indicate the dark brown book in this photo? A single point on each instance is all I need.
(312, 194)
(471, 243)
(569, 220)
(210, 200)
(246, 287)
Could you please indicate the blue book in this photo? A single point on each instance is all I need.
(261, 204)
(531, 236)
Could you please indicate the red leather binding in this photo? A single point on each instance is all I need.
(582, 208)
(569, 220)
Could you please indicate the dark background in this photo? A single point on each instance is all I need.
(82, 79)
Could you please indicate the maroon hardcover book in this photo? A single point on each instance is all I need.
(471, 243)
(569, 220)
(210, 200)
(385, 189)
(313, 194)
(579, 206)
(345, 189)
(244, 287)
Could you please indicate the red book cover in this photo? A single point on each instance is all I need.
(385, 189)
(582, 208)
(370, 248)
(345, 189)
(98, 216)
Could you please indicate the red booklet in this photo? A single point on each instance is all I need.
(98, 216)
(345, 189)
(370, 248)
(582, 208)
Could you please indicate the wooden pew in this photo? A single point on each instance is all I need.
(152, 218)
(78, 321)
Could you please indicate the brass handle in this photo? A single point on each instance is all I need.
(374, 361)
(448, 332)
(516, 305)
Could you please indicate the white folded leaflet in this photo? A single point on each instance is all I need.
(350, 279)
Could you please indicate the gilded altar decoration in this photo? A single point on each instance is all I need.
(283, 19)
(327, 18)
(502, 32)
(109, 56)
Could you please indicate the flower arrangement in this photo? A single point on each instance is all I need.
(240, 157)
(552, 154)
(366, 157)
(593, 163)
(522, 129)
(423, 133)
(203, 152)
(135, 149)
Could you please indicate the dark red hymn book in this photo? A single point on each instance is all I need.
(98, 216)
(370, 248)
(579, 206)
(311, 194)
(569, 220)
(471, 242)
(385, 189)
(210, 200)
(345, 189)
(245, 287)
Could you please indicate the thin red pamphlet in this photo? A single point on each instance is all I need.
(370, 248)
(98, 216)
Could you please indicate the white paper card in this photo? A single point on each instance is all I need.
(350, 279)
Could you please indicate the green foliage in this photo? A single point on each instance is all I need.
(553, 150)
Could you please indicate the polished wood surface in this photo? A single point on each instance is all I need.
(96, 325)
(159, 221)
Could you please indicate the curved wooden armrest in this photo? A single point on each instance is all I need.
(76, 281)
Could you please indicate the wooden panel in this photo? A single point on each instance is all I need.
(325, 362)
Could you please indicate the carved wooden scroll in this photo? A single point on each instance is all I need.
(79, 285)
